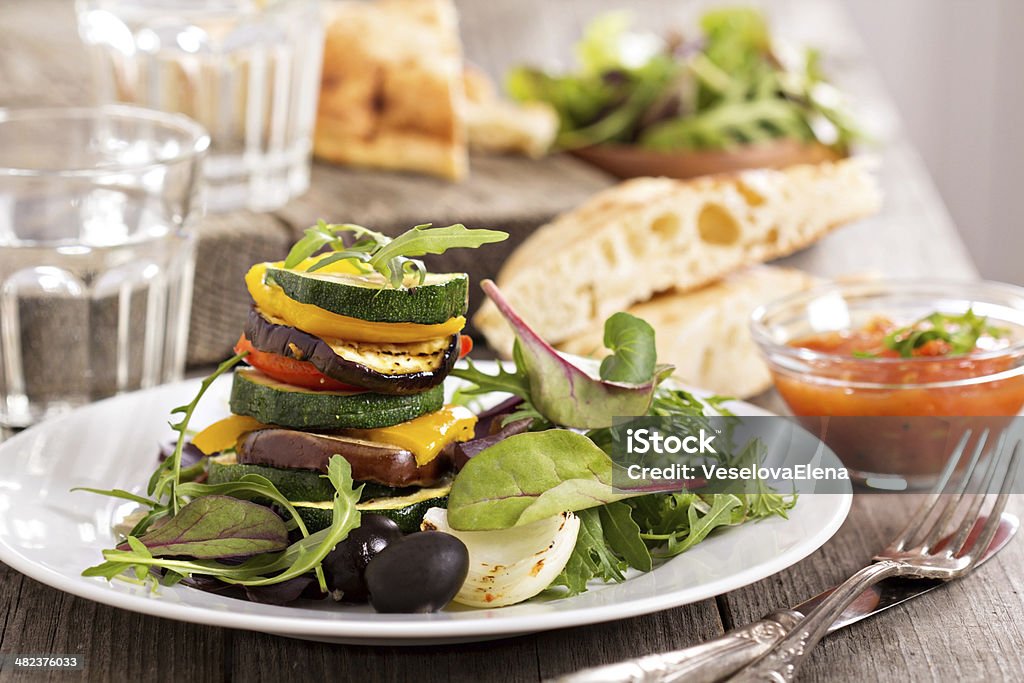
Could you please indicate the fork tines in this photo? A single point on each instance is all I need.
(961, 494)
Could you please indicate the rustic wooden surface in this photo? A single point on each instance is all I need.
(970, 631)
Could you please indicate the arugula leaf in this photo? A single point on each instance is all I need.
(422, 240)
(703, 522)
(215, 527)
(622, 534)
(119, 493)
(167, 477)
(631, 341)
(509, 382)
(325, 234)
(299, 558)
(590, 558)
(374, 251)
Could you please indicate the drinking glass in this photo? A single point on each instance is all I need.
(248, 70)
(97, 207)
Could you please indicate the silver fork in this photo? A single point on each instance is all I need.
(915, 553)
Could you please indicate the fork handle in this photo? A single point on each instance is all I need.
(711, 661)
(783, 661)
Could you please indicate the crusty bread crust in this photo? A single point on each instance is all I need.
(496, 125)
(705, 333)
(391, 92)
(650, 235)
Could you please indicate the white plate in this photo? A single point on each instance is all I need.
(51, 535)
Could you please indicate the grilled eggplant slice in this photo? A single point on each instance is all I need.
(376, 462)
(383, 368)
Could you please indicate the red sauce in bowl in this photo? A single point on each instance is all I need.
(889, 403)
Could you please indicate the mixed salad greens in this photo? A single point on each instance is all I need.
(377, 491)
(731, 85)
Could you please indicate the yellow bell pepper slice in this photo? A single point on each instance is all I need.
(271, 299)
(224, 434)
(426, 435)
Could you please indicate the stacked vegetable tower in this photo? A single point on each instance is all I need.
(348, 351)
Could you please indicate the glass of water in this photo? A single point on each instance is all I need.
(247, 70)
(97, 209)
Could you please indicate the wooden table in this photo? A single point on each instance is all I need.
(968, 631)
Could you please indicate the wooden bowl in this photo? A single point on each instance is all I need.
(630, 161)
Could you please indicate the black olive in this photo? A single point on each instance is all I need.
(345, 566)
(422, 573)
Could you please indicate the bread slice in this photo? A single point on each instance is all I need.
(649, 235)
(705, 333)
(496, 125)
(391, 93)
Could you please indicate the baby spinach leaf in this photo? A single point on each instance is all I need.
(563, 393)
(622, 535)
(631, 341)
(215, 527)
(529, 477)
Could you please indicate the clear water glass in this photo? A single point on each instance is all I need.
(97, 210)
(247, 70)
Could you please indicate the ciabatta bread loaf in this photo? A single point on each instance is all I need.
(650, 235)
(705, 333)
(391, 93)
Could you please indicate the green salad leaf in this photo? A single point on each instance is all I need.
(592, 557)
(563, 394)
(299, 558)
(373, 251)
(215, 527)
(728, 85)
(961, 332)
(622, 535)
(528, 477)
(188, 526)
(167, 476)
(631, 341)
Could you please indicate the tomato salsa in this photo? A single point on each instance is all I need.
(895, 399)
(881, 368)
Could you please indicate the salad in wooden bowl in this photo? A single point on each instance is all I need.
(729, 98)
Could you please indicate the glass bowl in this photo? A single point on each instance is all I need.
(895, 421)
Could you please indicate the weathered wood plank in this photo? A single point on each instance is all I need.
(117, 645)
(260, 657)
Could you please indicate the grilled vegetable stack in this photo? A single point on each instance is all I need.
(348, 352)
